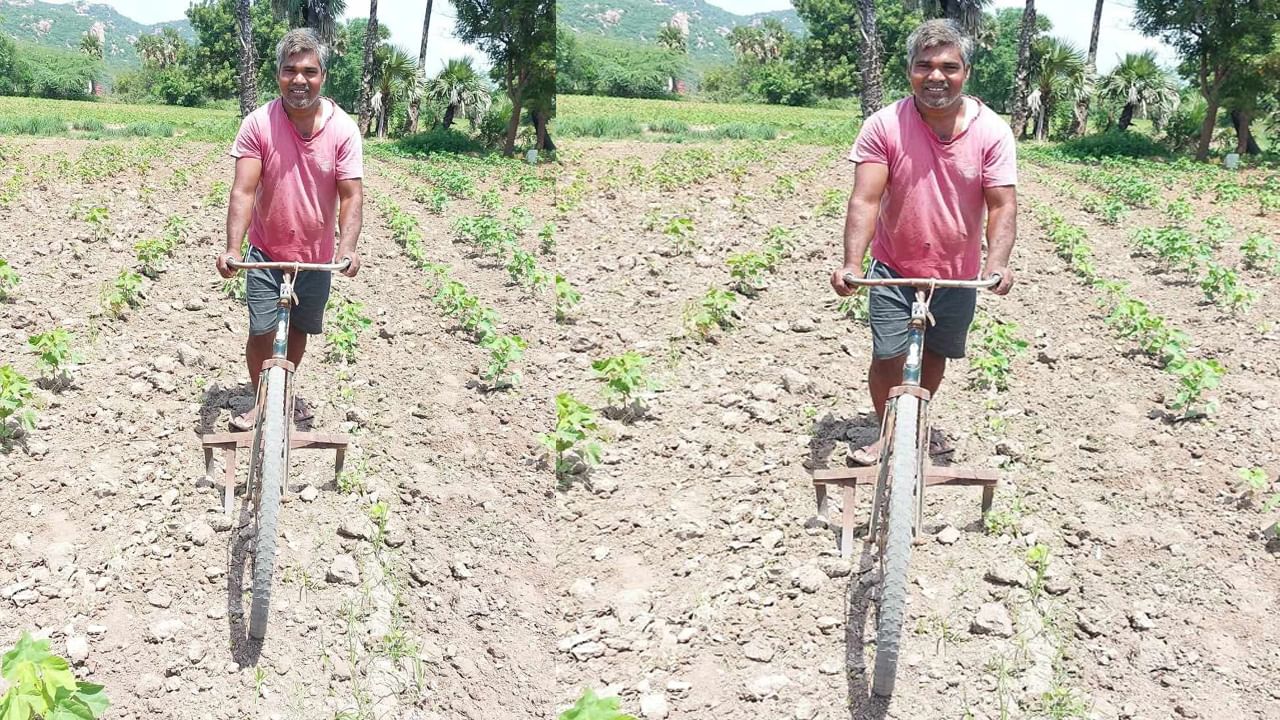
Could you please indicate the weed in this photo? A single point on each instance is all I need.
(1005, 521)
(1037, 557)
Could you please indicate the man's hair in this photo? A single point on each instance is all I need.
(300, 40)
(936, 33)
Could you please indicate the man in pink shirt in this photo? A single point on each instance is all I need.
(298, 167)
(928, 167)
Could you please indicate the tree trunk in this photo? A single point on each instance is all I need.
(1081, 119)
(1126, 116)
(449, 112)
(513, 125)
(540, 126)
(1022, 77)
(366, 76)
(422, 68)
(872, 87)
(248, 83)
(1246, 143)
(1042, 123)
(1206, 128)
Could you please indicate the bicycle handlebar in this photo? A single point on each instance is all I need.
(293, 266)
(994, 280)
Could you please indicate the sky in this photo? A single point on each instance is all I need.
(404, 17)
(1072, 21)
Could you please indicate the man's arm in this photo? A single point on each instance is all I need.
(350, 218)
(1002, 229)
(240, 209)
(869, 182)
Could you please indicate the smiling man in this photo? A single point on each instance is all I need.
(298, 167)
(928, 168)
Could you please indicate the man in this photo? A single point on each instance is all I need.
(927, 168)
(297, 158)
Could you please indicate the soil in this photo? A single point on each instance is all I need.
(688, 572)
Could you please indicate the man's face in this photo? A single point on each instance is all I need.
(937, 77)
(300, 79)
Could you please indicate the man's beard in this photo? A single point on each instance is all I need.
(301, 103)
(937, 102)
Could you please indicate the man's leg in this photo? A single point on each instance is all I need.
(884, 375)
(258, 350)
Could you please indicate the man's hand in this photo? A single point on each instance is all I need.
(1006, 279)
(225, 270)
(837, 280)
(354, 267)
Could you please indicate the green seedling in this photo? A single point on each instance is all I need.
(1216, 231)
(712, 310)
(218, 195)
(152, 252)
(748, 269)
(123, 293)
(1259, 253)
(504, 350)
(1178, 210)
(624, 377)
(997, 347)
(547, 238)
(1195, 377)
(574, 439)
(780, 241)
(1256, 483)
(42, 686)
(1221, 286)
(833, 204)
(8, 281)
(343, 336)
(590, 707)
(523, 268)
(1037, 558)
(490, 202)
(520, 219)
(566, 298)
(680, 231)
(98, 217)
(55, 358)
(15, 395)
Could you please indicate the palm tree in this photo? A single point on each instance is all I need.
(248, 85)
(1022, 74)
(872, 87)
(1081, 118)
(747, 42)
(160, 50)
(396, 76)
(323, 15)
(414, 103)
(968, 13)
(1058, 74)
(671, 37)
(1140, 85)
(461, 90)
(773, 39)
(91, 45)
(366, 77)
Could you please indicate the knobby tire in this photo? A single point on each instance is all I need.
(271, 478)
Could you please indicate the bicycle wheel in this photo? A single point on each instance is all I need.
(903, 463)
(273, 466)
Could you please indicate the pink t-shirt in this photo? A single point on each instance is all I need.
(931, 215)
(295, 215)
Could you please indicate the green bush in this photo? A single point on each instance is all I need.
(149, 129)
(37, 125)
(439, 140)
(493, 126)
(601, 127)
(91, 124)
(1114, 143)
(746, 131)
(668, 125)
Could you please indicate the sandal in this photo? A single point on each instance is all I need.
(301, 411)
(244, 421)
(865, 456)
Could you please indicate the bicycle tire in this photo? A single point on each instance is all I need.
(904, 468)
(274, 464)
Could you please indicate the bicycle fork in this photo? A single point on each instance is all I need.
(279, 358)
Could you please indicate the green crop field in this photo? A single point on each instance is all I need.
(57, 117)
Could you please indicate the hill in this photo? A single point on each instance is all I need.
(61, 26)
(640, 19)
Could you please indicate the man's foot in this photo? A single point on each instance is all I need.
(301, 411)
(246, 420)
(866, 455)
(938, 444)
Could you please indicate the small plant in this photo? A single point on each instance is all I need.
(521, 219)
(1037, 558)
(123, 293)
(152, 253)
(1216, 230)
(566, 298)
(343, 335)
(1256, 483)
(547, 238)
(780, 241)
(1259, 253)
(590, 707)
(8, 280)
(997, 348)
(748, 269)
(855, 308)
(712, 310)
(1221, 286)
(379, 513)
(503, 351)
(833, 204)
(218, 194)
(523, 268)
(15, 393)
(42, 686)
(1178, 210)
(98, 217)
(1194, 378)
(490, 201)
(56, 359)
(680, 231)
(573, 440)
(623, 377)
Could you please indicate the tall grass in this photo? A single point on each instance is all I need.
(597, 126)
(33, 125)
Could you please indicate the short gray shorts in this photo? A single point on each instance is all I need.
(890, 310)
(262, 290)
